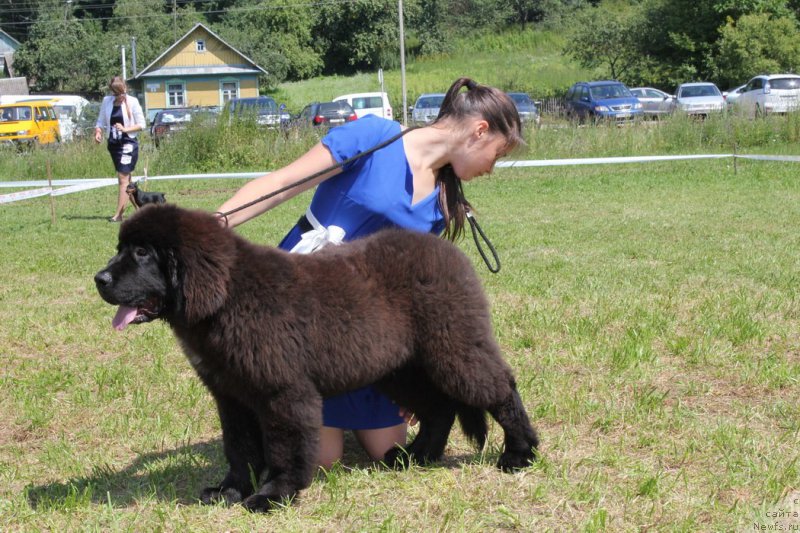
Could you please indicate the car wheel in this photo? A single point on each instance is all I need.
(758, 112)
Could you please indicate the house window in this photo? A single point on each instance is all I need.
(229, 90)
(176, 95)
(200, 45)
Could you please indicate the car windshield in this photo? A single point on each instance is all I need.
(615, 90)
(10, 114)
(785, 83)
(698, 91)
(265, 106)
(430, 101)
(175, 115)
(520, 99)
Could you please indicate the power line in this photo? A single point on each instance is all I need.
(207, 12)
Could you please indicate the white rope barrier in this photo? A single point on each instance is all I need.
(69, 186)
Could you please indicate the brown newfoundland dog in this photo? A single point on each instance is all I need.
(272, 333)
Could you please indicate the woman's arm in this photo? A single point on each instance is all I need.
(315, 160)
(102, 122)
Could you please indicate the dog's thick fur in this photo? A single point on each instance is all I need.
(140, 198)
(272, 333)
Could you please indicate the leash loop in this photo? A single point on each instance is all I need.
(476, 230)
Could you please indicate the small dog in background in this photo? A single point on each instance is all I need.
(139, 198)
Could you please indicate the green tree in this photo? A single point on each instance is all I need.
(606, 38)
(361, 35)
(63, 54)
(279, 38)
(756, 44)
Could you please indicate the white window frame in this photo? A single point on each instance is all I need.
(182, 95)
(200, 46)
(222, 93)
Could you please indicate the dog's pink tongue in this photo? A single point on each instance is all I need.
(124, 316)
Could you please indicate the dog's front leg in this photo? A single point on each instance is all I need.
(290, 424)
(244, 450)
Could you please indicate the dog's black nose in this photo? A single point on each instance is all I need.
(102, 278)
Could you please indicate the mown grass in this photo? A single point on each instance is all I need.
(650, 313)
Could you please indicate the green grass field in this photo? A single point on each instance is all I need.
(650, 312)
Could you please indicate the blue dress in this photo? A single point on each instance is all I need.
(371, 193)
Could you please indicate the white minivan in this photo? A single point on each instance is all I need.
(368, 104)
(773, 93)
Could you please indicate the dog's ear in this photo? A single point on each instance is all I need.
(207, 252)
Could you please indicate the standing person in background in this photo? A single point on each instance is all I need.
(120, 117)
(413, 183)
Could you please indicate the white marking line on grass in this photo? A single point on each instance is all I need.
(77, 185)
(605, 160)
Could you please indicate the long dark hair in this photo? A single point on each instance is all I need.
(495, 107)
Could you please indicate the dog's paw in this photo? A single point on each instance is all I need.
(214, 495)
(513, 461)
(260, 503)
(398, 458)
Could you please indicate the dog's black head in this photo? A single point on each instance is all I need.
(171, 263)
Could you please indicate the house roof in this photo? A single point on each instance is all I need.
(10, 38)
(151, 71)
(13, 86)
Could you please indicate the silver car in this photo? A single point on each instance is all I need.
(699, 99)
(655, 103)
(732, 96)
(426, 108)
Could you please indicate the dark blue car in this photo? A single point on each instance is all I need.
(608, 100)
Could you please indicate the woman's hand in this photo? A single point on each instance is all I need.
(120, 127)
(408, 416)
(98, 135)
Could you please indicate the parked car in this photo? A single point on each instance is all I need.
(29, 122)
(426, 108)
(732, 96)
(526, 107)
(368, 104)
(655, 103)
(170, 121)
(699, 99)
(325, 114)
(263, 108)
(595, 100)
(771, 93)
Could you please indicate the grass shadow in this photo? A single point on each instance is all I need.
(175, 475)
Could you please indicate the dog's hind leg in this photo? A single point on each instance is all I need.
(242, 444)
(431, 439)
(521, 440)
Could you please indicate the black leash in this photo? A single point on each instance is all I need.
(476, 229)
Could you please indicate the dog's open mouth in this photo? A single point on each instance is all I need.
(135, 315)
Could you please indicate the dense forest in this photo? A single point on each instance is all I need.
(74, 45)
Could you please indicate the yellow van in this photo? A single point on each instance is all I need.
(29, 121)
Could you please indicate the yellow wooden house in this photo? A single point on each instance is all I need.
(200, 69)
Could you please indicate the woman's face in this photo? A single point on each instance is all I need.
(478, 154)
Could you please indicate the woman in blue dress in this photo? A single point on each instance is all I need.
(413, 183)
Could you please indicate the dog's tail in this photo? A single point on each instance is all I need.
(473, 424)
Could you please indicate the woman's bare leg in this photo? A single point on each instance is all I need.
(122, 199)
(376, 442)
(331, 446)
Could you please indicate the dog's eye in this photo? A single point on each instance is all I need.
(140, 252)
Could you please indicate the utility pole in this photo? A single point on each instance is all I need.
(67, 6)
(402, 62)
